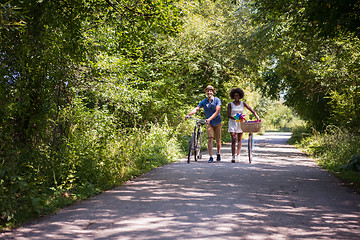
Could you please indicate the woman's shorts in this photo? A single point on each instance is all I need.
(234, 126)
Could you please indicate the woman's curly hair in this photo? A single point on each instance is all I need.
(237, 90)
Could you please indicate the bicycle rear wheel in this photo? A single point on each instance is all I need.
(197, 149)
(250, 146)
(191, 146)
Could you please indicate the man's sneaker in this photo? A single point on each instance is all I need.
(211, 159)
(218, 158)
(233, 159)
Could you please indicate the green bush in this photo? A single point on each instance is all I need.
(96, 156)
(354, 164)
(333, 148)
(279, 116)
(299, 133)
(336, 150)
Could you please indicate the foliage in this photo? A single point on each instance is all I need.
(94, 92)
(293, 50)
(279, 116)
(121, 57)
(71, 96)
(299, 133)
(38, 52)
(327, 17)
(336, 150)
(189, 61)
(88, 90)
(354, 164)
(92, 160)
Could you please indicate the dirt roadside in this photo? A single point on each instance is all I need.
(282, 195)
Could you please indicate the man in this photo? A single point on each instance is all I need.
(211, 107)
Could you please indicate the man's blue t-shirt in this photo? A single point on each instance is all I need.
(210, 109)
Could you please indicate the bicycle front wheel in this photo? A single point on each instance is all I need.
(197, 147)
(191, 146)
(250, 146)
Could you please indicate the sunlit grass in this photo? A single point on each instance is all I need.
(332, 150)
(92, 161)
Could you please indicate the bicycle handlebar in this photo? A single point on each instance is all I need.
(198, 120)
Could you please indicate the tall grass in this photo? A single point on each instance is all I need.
(95, 157)
(332, 150)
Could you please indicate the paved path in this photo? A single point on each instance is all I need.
(282, 195)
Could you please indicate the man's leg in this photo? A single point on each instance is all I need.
(210, 145)
(218, 145)
(217, 131)
(210, 134)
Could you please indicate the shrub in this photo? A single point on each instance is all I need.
(336, 150)
(97, 155)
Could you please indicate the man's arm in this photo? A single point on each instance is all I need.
(217, 111)
(192, 112)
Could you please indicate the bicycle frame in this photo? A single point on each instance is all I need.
(195, 141)
(251, 143)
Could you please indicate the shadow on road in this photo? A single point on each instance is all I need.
(282, 195)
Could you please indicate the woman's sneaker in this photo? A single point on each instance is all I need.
(233, 159)
(211, 159)
(218, 158)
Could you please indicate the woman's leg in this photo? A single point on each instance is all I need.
(233, 143)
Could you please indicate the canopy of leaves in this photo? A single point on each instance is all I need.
(328, 18)
(311, 55)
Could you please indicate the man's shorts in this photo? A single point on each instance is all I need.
(214, 129)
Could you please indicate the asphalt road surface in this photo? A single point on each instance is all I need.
(282, 195)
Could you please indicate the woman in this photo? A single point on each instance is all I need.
(235, 107)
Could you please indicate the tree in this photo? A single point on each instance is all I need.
(300, 55)
(68, 83)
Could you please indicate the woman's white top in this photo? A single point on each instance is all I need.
(233, 125)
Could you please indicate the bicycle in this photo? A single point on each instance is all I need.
(251, 143)
(250, 127)
(195, 141)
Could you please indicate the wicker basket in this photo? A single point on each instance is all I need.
(250, 126)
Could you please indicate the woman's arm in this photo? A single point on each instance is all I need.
(229, 112)
(252, 111)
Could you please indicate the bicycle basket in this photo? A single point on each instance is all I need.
(249, 127)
